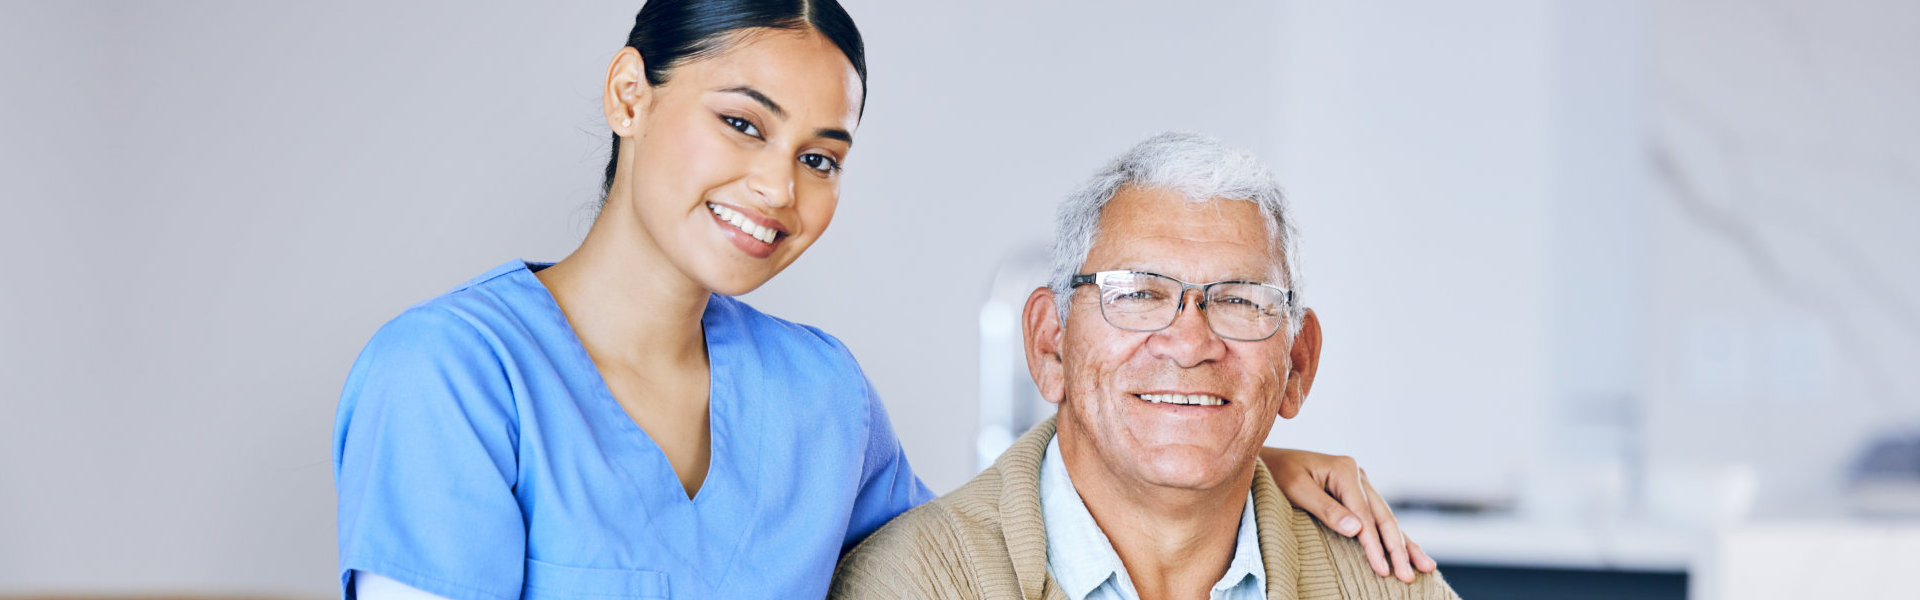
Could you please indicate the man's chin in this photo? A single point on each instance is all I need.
(1191, 468)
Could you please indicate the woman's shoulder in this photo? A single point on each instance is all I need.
(471, 331)
(505, 293)
(495, 303)
(766, 330)
(789, 360)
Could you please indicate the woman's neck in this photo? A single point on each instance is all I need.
(626, 301)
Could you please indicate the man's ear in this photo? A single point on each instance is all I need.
(1040, 325)
(627, 93)
(1305, 355)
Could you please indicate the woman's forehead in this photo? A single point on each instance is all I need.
(799, 68)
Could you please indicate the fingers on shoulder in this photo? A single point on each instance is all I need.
(1349, 558)
(1425, 586)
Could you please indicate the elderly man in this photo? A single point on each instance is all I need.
(1170, 336)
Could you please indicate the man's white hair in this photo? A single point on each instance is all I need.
(1200, 169)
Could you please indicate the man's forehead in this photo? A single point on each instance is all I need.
(1161, 232)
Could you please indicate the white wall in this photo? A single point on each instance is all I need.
(210, 207)
(1788, 315)
(1417, 149)
(1451, 164)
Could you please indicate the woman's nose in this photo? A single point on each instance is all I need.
(771, 180)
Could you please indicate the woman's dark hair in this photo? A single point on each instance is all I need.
(668, 33)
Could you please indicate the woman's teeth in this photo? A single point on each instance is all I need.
(1187, 399)
(741, 222)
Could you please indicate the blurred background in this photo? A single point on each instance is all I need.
(1621, 297)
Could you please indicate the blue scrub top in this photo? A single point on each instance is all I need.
(478, 455)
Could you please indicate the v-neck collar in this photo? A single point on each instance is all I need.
(731, 468)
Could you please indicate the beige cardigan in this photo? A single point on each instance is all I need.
(987, 540)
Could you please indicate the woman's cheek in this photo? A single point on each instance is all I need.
(822, 201)
(823, 218)
(703, 159)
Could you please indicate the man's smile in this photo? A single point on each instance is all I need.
(1184, 399)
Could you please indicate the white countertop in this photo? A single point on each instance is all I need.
(1601, 544)
(1838, 557)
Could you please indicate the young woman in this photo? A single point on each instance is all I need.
(616, 424)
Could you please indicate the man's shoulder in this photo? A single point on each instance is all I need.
(935, 525)
(935, 550)
(1332, 565)
(919, 545)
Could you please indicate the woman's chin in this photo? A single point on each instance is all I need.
(730, 272)
(734, 280)
(736, 286)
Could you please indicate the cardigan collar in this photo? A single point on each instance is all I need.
(1025, 529)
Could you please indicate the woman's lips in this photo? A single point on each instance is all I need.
(752, 234)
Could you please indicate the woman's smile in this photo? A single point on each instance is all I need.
(751, 233)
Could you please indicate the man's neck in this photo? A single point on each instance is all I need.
(1175, 543)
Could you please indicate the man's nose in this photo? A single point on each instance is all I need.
(1189, 341)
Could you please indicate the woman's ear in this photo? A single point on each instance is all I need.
(1040, 325)
(1305, 357)
(627, 93)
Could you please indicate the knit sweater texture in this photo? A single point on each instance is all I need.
(987, 540)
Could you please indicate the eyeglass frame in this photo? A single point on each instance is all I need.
(1093, 279)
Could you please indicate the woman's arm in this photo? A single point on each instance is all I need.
(424, 458)
(1335, 490)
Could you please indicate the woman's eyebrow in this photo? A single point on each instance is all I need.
(834, 133)
(749, 92)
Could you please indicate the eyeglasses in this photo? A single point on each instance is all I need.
(1140, 301)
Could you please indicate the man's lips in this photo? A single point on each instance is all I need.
(1183, 398)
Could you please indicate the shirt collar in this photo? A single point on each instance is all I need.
(1247, 561)
(1082, 559)
(1079, 556)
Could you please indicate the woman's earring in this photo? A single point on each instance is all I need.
(626, 122)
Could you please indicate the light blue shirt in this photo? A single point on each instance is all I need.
(478, 455)
(1082, 559)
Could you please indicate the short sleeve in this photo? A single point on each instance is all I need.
(373, 586)
(888, 486)
(425, 464)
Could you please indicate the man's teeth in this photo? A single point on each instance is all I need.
(1187, 399)
(741, 222)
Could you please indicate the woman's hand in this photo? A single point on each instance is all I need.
(1335, 489)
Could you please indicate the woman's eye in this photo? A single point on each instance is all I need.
(820, 162)
(742, 126)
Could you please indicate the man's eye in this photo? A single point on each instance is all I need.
(742, 125)
(820, 162)
(1137, 295)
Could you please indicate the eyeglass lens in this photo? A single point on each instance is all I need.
(1148, 302)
